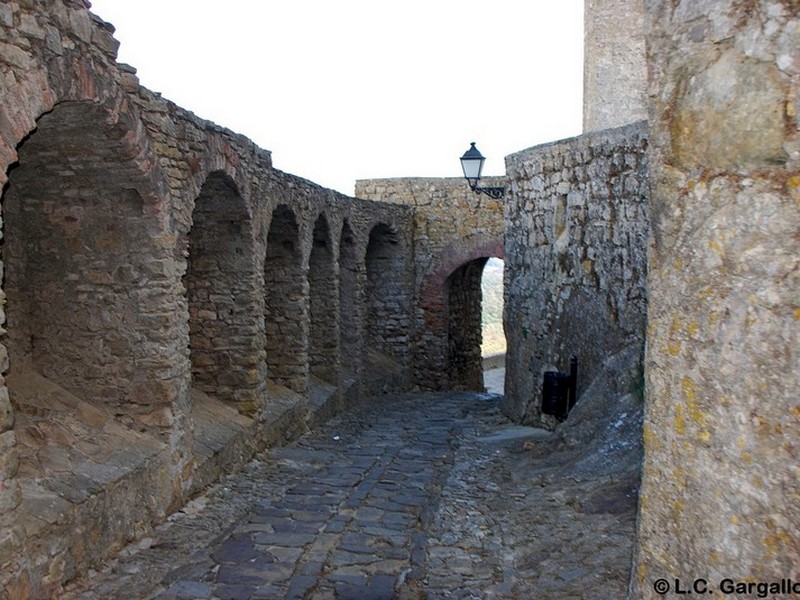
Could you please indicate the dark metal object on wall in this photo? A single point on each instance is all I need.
(559, 391)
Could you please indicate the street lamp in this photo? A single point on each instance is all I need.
(472, 164)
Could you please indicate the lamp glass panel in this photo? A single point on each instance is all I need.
(472, 167)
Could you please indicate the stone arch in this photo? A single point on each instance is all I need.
(387, 301)
(350, 304)
(286, 303)
(449, 351)
(223, 296)
(323, 305)
(80, 260)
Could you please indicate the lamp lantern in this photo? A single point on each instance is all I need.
(472, 164)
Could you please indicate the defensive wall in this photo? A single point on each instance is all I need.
(614, 64)
(720, 494)
(172, 301)
(577, 225)
(455, 232)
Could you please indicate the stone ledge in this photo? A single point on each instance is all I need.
(89, 485)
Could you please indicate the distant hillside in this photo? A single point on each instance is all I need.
(492, 285)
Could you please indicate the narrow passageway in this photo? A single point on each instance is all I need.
(413, 496)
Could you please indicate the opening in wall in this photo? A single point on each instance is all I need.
(493, 336)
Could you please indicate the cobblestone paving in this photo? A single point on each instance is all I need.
(420, 496)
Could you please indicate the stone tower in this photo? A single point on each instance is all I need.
(614, 69)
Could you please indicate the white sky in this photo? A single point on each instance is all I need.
(341, 90)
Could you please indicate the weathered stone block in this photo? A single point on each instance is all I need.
(722, 339)
(10, 495)
(15, 56)
(161, 417)
(731, 115)
(12, 538)
(6, 410)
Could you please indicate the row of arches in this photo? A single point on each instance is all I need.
(152, 262)
(120, 298)
(147, 301)
(316, 316)
(98, 303)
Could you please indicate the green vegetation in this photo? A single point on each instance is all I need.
(494, 339)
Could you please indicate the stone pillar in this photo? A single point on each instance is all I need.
(614, 69)
(721, 483)
(352, 282)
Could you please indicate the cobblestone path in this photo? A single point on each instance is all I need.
(418, 496)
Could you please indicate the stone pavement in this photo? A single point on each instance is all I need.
(416, 496)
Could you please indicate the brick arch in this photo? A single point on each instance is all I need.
(72, 80)
(456, 255)
(69, 125)
(217, 158)
(448, 348)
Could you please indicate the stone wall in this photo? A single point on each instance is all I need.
(576, 239)
(721, 485)
(389, 317)
(464, 326)
(453, 228)
(173, 302)
(221, 294)
(614, 66)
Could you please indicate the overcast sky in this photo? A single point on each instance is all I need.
(341, 90)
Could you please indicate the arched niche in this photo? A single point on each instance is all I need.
(223, 297)
(387, 294)
(323, 347)
(286, 303)
(350, 303)
(84, 276)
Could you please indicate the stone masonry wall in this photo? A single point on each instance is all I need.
(720, 494)
(465, 333)
(387, 296)
(136, 255)
(453, 227)
(576, 241)
(614, 67)
(220, 294)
